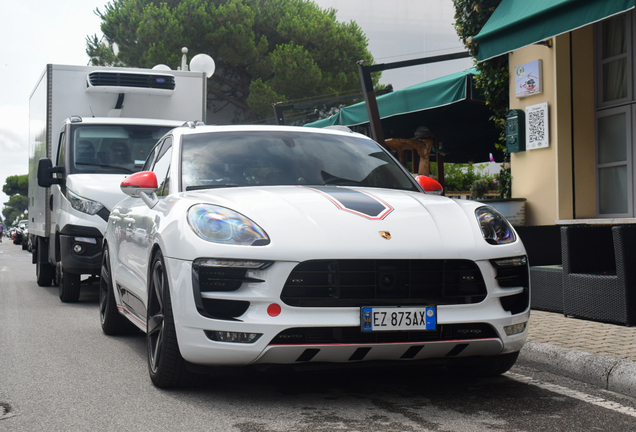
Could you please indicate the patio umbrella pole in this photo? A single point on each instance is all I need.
(369, 93)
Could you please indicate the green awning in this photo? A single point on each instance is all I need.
(427, 95)
(450, 107)
(518, 23)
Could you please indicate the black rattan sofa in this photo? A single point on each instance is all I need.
(599, 272)
(543, 246)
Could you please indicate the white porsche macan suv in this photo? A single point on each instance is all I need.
(282, 245)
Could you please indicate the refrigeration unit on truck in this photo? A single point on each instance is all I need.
(90, 127)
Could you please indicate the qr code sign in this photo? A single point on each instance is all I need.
(537, 126)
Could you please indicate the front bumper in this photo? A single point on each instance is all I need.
(454, 339)
(81, 249)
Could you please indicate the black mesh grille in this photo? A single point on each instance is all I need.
(211, 279)
(514, 276)
(119, 79)
(510, 277)
(346, 283)
(220, 278)
(353, 335)
(224, 309)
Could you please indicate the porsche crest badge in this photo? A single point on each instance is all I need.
(385, 235)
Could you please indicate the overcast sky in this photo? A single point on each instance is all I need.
(34, 33)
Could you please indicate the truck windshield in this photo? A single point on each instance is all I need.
(111, 149)
(230, 159)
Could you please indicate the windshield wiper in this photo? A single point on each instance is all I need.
(126, 170)
(215, 186)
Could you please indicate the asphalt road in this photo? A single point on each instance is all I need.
(59, 372)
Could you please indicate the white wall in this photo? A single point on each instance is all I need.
(403, 30)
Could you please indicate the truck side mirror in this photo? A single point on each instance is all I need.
(46, 171)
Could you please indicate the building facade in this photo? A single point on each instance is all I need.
(585, 168)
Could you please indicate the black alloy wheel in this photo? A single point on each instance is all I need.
(166, 366)
(113, 323)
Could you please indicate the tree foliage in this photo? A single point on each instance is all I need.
(493, 74)
(16, 184)
(461, 177)
(17, 187)
(265, 51)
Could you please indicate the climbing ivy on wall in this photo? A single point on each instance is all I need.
(493, 75)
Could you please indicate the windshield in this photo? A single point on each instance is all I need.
(112, 149)
(226, 159)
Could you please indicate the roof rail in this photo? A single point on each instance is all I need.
(339, 127)
(192, 124)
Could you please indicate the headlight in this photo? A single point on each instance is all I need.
(222, 225)
(494, 227)
(82, 204)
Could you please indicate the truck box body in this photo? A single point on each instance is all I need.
(64, 91)
(79, 118)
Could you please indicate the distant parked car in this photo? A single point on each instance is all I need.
(26, 240)
(300, 246)
(17, 239)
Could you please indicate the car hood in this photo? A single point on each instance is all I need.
(103, 188)
(332, 222)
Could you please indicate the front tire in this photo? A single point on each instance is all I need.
(44, 271)
(69, 286)
(113, 323)
(166, 366)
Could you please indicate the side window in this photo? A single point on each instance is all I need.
(161, 167)
(163, 188)
(151, 157)
(61, 150)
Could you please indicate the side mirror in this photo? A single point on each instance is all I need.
(46, 171)
(430, 185)
(142, 185)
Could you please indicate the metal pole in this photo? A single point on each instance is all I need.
(369, 94)
(372, 104)
(278, 113)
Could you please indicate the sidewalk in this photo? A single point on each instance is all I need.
(597, 353)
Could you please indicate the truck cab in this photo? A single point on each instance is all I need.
(90, 127)
(94, 155)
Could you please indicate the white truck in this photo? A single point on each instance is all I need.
(90, 127)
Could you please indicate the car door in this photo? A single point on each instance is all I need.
(139, 226)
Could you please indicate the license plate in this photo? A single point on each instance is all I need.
(398, 318)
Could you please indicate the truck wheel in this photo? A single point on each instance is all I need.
(44, 271)
(113, 323)
(69, 286)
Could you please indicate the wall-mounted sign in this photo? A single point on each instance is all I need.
(537, 126)
(528, 80)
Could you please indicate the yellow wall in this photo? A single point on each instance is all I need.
(544, 176)
(584, 123)
(534, 172)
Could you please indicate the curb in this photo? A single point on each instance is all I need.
(610, 373)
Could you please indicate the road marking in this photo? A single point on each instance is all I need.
(614, 406)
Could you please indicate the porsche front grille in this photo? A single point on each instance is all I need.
(348, 283)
